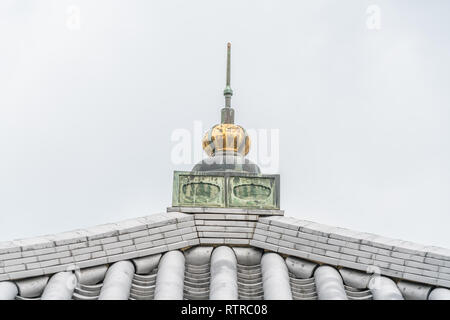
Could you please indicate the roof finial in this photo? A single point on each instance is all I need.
(228, 92)
(227, 113)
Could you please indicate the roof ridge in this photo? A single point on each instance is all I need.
(142, 236)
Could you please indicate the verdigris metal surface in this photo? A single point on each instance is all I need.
(198, 190)
(224, 162)
(227, 211)
(226, 189)
(252, 192)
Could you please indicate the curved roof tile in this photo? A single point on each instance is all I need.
(302, 260)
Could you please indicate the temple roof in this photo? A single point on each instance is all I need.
(221, 253)
(213, 244)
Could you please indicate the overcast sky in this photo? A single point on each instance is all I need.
(92, 91)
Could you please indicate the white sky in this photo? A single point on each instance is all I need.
(86, 116)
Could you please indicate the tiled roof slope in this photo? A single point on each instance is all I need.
(218, 254)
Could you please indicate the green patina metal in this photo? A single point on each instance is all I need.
(227, 113)
(190, 189)
(228, 91)
(225, 189)
(252, 192)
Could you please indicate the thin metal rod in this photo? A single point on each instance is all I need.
(228, 92)
(228, 63)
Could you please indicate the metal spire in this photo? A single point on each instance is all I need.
(228, 112)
